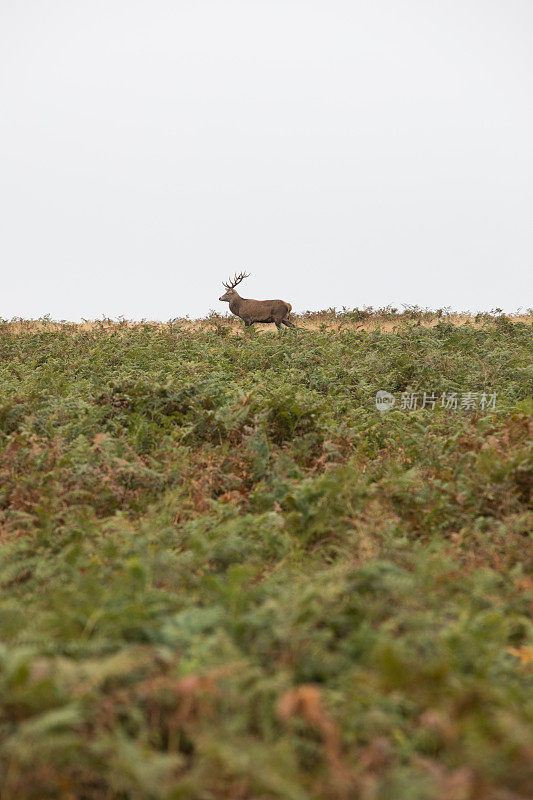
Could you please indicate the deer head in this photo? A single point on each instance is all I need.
(230, 292)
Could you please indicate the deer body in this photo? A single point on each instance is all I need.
(250, 311)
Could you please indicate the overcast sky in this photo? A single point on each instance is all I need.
(345, 153)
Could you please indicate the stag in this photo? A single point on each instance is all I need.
(251, 311)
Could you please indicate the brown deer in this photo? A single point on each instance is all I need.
(256, 310)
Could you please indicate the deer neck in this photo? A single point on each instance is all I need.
(235, 304)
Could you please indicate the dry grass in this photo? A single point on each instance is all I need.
(310, 321)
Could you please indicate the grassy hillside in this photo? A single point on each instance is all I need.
(225, 574)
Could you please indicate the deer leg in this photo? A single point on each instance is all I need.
(288, 323)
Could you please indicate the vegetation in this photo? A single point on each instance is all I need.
(225, 574)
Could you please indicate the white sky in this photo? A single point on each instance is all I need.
(345, 153)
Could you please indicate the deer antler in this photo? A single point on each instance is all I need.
(236, 280)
